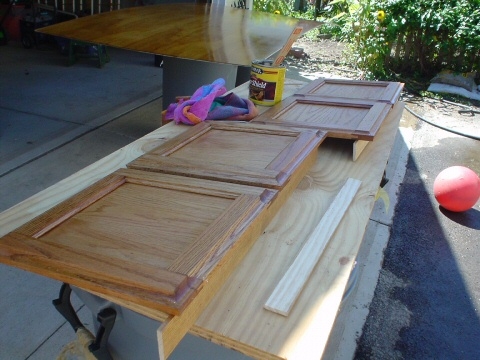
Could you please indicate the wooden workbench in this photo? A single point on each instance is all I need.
(236, 318)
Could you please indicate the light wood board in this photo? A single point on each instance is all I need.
(236, 318)
(288, 289)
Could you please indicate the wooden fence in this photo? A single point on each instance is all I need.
(86, 7)
(410, 53)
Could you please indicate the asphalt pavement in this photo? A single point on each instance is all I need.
(427, 301)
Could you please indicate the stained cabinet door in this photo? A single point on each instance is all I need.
(148, 238)
(383, 91)
(244, 153)
(338, 117)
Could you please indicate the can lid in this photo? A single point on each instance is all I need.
(262, 62)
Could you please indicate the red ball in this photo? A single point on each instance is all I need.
(457, 188)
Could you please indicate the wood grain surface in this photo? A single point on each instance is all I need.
(241, 153)
(208, 32)
(383, 91)
(143, 237)
(339, 117)
(288, 289)
(236, 317)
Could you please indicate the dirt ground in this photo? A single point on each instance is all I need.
(322, 55)
(445, 111)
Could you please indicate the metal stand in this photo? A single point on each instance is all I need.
(106, 317)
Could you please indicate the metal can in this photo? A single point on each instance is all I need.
(266, 83)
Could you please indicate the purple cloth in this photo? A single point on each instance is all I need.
(232, 107)
(208, 104)
(195, 109)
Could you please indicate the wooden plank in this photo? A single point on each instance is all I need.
(292, 283)
(288, 45)
(358, 147)
(236, 318)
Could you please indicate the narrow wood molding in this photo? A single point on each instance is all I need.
(288, 289)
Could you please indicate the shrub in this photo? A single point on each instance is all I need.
(414, 37)
(387, 37)
(283, 7)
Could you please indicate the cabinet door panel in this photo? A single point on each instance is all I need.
(382, 91)
(241, 153)
(340, 118)
(148, 238)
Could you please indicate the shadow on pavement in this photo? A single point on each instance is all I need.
(470, 218)
(426, 305)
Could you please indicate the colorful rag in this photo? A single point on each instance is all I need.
(208, 104)
(232, 107)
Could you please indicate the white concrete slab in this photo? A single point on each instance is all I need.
(80, 93)
(61, 339)
(139, 122)
(21, 132)
(27, 316)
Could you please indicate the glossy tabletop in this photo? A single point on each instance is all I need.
(207, 32)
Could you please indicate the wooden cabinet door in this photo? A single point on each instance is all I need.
(243, 153)
(339, 117)
(152, 239)
(382, 91)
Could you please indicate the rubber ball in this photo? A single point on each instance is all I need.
(457, 188)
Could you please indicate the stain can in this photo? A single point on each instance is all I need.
(266, 83)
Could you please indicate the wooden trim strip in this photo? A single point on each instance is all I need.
(288, 289)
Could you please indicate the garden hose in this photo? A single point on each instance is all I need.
(441, 127)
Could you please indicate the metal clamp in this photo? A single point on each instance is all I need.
(105, 317)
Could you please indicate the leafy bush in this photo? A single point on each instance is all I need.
(283, 7)
(417, 37)
(388, 37)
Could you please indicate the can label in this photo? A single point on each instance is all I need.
(266, 83)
